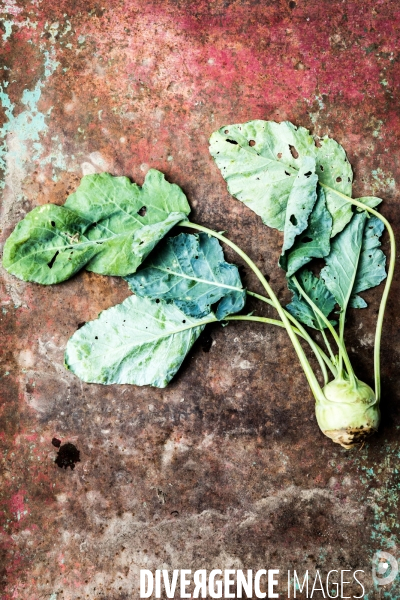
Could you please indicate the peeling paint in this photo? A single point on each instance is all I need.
(237, 473)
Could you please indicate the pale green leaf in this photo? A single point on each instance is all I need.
(342, 262)
(334, 170)
(370, 201)
(318, 293)
(190, 271)
(260, 159)
(301, 201)
(314, 242)
(108, 225)
(139, 342)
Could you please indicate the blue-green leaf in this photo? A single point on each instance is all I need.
(370, 201)
(319, 294)
(108, 225)
(334, 170)
(342, 262)
(371, 266)
(314, 242)
(138, 341)
(190, 271)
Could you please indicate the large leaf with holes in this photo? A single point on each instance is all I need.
(109, 225)
(343, 260)
(334, 171)
(260, 161)
(314, 242)
(139, 341)
(371, 265)
(317, 291)
(190, 270)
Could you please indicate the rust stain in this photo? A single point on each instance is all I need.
(226, 466)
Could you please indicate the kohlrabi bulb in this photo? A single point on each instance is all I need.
(348, 413)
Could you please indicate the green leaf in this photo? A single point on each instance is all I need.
(108, 225)
(260, 159)
(342, 262)
(319, 294)
(301, 201)
(371, 266)
(138, 341)
(334, 170)
(370, 201)
(314, 242)
(48, 246)
(190, 270)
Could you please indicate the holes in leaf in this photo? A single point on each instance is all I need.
(286, 173)
(95, 337)
(348, 179)
(307, 174)
(293, 220)
(252, 143)
(184, 321)
(226, 131)
(157, 300)
(53, 223)
(338, 179)
(293, 151)
(142, 211)
(279, 155)
(306, 239)
(196, 257)
(317, 143)
(53, 260)
(232, 142)
(321, 167)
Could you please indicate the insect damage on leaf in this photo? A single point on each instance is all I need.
(262, 174)
(149, 341)
(101, 227)
(314, 242)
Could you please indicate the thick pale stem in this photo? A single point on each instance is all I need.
(327, 344)
(382, 307)
(312, 380)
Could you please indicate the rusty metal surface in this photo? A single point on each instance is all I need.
(226, 467)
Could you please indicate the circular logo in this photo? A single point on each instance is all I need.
(384, 568)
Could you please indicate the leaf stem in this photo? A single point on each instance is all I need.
(320, 314)
(327, 344)
(319, 353)
(311, 378)
(382, 307)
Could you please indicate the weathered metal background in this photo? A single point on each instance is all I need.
(226, 467)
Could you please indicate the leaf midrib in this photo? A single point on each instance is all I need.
(198, 280)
